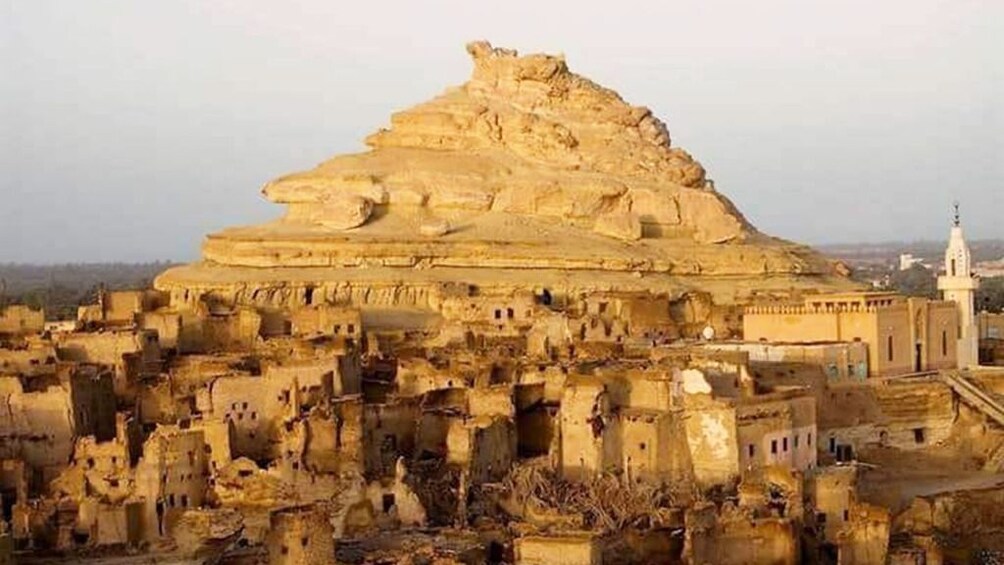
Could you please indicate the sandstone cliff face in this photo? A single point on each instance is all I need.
(526, 136)
(526, 177)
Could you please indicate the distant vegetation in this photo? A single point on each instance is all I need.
(879, 264)
(59, 289)
(990, 296)
(932, 252)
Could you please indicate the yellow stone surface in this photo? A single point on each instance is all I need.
(527, 176)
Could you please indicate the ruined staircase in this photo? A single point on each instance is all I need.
(974, 395)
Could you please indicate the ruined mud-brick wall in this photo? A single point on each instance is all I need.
(38, 359)
(389, 432)
(17, 320)
(496, 400)
(589, 433)
(484, 447)
(832, 492)
(171, 477)
(314, 378)
(654, 449)
(92, 391)
(904, 415)
(964, 522)
(256, 407)
(569, 549)
(237, 332)
(301, 536)
(36, 427)
(714, 448)
(326, 320)
(864, 539)
(108, 348)
(732, 538)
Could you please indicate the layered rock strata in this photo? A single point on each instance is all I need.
(527, 176)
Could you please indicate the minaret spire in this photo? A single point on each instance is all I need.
(959, 285)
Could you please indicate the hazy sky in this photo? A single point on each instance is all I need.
(129, 129)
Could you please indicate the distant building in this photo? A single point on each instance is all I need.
(988, 269)
(990, 325)
(907, 261)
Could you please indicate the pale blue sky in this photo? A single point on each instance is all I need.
(130, 129)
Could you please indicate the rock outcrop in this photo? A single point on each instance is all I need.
(527, 176)
(526, 136)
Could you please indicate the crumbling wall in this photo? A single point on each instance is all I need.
(729, 537)
(234, 331)
(567, 549)
(108, 348)
(327, 321)
(417, 376)
(389, 432)
(92, 392)
(864, 539)
(654, 447)
(38, 427)
(17, 319)
(256, 407)
(105, 524)
(589, 432)
(131, 353)
(253, 492)
(36, 359)
(494, 400)
(965, 523)
(168, 325)
(903, 415)
(485, 447)
(218, 437)
(714, 450)
(301, 536)
(171, 477)
(395, 501)
(102, 469)
(315, 378)
(333, 442)
(199, 530)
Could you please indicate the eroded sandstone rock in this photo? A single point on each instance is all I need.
(619, 226)
(434, 228)
(525, 176)
(344, 211)
(526, 135)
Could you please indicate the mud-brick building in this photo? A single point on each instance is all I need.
(903, 335)
(301, 536)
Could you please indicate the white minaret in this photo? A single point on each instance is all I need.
(959, 285)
